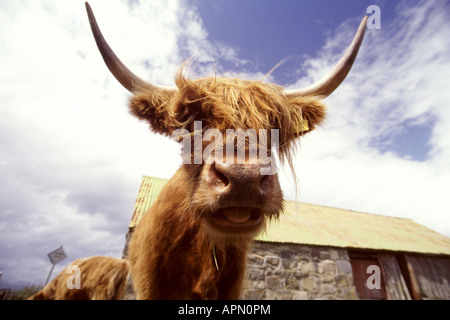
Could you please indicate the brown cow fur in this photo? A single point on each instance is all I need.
(172, 255)
(224, 103)
(171, 250)
(102, 278)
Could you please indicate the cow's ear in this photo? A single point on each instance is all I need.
(153, 108)
(166, 112)
(312, 114)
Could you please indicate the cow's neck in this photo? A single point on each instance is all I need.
(181, 254)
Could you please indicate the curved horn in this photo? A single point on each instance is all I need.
(325, 86)
(127, 78)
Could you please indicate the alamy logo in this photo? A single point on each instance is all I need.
(374, 281)
(241, 141)
(74, 281)
(374, 19)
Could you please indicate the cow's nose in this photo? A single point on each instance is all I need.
(241, 179)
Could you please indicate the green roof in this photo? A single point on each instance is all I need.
(311, 224)
(318, 225)
(148, 192)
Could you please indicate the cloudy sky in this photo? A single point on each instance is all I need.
(72, 158)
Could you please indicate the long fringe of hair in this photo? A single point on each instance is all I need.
(229, 103)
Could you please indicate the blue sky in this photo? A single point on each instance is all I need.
(250, 27)
(72, 157)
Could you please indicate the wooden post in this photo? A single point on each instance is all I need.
(416, 292)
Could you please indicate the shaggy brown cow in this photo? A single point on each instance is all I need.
(100, 278)
(192, 243)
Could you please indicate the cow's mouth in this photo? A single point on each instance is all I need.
(237, 217)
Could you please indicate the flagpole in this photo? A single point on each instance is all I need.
(51, 270)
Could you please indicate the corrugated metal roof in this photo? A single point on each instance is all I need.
(311, 224)
(148, 192)
(318, 225)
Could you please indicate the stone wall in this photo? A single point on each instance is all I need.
(298, 272)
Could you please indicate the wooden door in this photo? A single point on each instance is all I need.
(365, 271)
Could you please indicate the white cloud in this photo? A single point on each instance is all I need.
(399, 77)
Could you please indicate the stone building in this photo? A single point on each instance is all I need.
(317, 252)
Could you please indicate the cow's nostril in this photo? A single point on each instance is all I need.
(265, 184)
(218, 178)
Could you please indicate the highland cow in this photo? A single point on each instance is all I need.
(94, 278)
(192, 243)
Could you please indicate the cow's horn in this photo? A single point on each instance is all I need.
(127, 78)
(325, 86)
